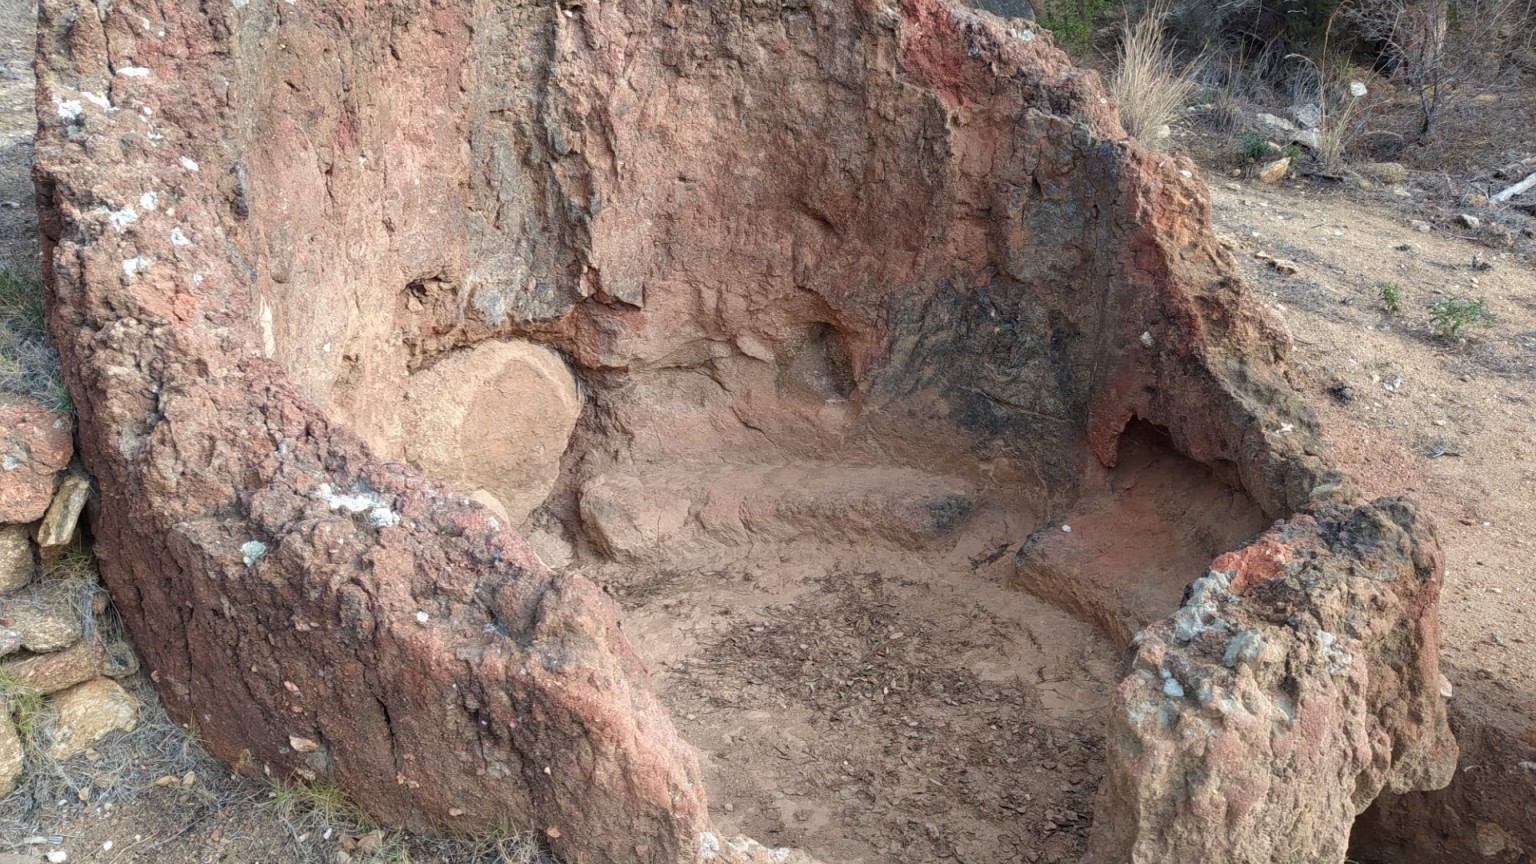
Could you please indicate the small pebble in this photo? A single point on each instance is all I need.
(57, 856)
(1066, 529)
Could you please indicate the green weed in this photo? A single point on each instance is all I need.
(1391, 296)
(1453, 315)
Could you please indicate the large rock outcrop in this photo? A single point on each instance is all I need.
(1297, 681)
(900, 234)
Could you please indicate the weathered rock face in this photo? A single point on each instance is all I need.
(1297, 682)
(38, 444)
(286, 243)
(496, 418)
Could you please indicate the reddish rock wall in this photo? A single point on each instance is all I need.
(883, 233)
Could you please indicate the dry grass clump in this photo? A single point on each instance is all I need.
(319, 818)
(29, 368)
(1149, 85)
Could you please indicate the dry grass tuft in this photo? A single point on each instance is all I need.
(1149, 85)
(29, 368)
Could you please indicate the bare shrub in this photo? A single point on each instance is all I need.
(1340, 97)
(1149, 85)
(1440, 47)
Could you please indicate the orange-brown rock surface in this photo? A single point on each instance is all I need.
(900, 235)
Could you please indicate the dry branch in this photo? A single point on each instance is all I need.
(1516, 189)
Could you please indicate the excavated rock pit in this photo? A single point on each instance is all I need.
(476, 390)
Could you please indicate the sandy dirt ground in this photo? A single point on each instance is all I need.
(1449, 422)
(878, 707)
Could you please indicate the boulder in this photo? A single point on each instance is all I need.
(35, 445)
(494, 418)
(86, 713)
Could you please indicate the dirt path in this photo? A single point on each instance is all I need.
(1451, 423)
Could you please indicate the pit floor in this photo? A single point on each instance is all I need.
(880, 706)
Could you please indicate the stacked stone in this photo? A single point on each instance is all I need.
(51, 644)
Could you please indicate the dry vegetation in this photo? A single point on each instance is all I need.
(29, 368)
(1149, 85)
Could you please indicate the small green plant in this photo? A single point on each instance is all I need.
(325, 802)
(1252, 146)
(308, 809)
(1072, 21)
(1454, 314)
(1294, 153)
(1391, 296)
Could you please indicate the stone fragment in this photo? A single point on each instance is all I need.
(1283, 266)
(491, 503)
(554, 550)
(1275, 171)
(1279, 123)
(1308, 138)
(17, 564)
(1308, 115)
(1470, 221)
(45, 616)
(1497, 236)
(1389, 173)
(11, 754)
(58, 526)
(35, 445)
(60, 670)
(86, 713)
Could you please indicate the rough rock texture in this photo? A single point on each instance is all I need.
(1297, 681)
(57, 528)
(86, 713)
(17, 563)
(12, 757)
(43, 617)
(495, 418)
(900, 236)
(36, 444)
(61, 670)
